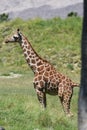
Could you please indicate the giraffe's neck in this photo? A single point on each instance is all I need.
(31, 56)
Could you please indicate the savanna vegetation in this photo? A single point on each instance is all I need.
(56, 40)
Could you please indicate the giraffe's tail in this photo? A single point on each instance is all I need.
(75, 85)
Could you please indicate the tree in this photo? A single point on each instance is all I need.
(82, 109)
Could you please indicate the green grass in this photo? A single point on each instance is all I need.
(55, 40)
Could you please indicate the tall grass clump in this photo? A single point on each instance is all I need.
(44, 119)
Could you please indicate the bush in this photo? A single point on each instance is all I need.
(71, 14)
(4, 17)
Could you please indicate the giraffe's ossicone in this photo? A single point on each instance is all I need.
(46, 78)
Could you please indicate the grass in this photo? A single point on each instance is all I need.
(20, 109)
(57, 41)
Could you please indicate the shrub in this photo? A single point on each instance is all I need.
(4, 17)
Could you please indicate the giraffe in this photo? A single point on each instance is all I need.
(46, 79)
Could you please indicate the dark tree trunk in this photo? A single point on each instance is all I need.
(82, 110)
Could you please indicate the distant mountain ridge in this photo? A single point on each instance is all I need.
(29, 9)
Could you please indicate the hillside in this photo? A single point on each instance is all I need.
(55, 40)
(40, 8)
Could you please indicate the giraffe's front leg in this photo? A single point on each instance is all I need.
(41, 97)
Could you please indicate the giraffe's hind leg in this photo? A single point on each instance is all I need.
(65, 101)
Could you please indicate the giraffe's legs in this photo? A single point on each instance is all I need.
(65, 101)
(41, 97)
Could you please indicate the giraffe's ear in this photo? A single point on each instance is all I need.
(18, 30)
(19, 33)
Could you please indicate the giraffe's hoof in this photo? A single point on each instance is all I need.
(70, 115)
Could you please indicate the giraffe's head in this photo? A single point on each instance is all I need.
(17, 37)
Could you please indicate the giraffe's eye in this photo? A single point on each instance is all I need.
(15, 38)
